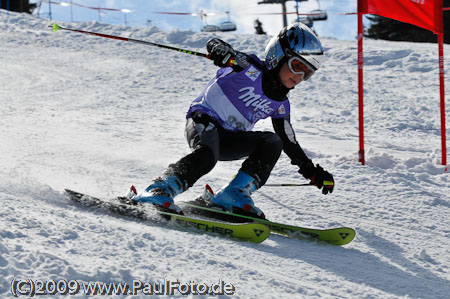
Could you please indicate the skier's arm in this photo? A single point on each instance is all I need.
(224, 55)
(292, 148)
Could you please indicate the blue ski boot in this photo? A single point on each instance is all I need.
(236, 198)
(161, 193)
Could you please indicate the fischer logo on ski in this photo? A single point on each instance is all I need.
(206, 227)
(258, 232)
(343, 235)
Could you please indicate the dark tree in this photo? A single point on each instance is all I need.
(389, 29)
(19, 5)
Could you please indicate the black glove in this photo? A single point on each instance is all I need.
(320, 178)
(220, 52)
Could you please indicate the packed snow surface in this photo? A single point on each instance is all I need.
(97, 115)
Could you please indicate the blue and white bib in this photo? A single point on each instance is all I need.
(237, 100)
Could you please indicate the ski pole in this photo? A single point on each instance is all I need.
(325, 183)
(56, 27)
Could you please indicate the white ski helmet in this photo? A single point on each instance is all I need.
(294, 40)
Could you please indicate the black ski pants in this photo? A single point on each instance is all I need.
(210, 143)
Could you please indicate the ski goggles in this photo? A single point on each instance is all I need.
(299, 67)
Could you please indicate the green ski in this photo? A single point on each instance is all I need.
(335, 236)
(253, 232)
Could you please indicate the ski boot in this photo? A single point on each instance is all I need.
(161, 193)
(235, 197)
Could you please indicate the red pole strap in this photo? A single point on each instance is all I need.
(442, 94)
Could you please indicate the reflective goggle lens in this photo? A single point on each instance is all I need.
(299, 68)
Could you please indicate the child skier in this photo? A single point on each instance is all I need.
(219, 122)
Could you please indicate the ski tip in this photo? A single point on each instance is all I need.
(345, 236)
(261, 232)
(56, 27)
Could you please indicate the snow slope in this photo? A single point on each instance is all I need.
(97, 115)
